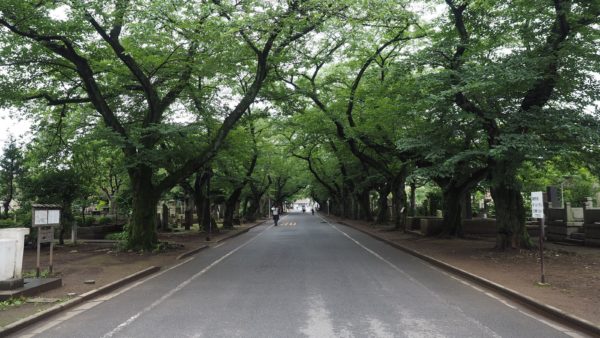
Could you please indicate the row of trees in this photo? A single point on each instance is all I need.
(88, 171)
(164, 82)
(473, 98)
(369, 96)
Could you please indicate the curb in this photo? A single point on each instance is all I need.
(544, 309)
(195, 251)
(25, 322)
(241, 231)
(191, 252)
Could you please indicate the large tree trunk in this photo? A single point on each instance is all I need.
(346, 205)
(6, 205)
(66, 221)
(413, 199)
(142, 226)
(467, 207)
(207, 220)
(230, 205)
(510, 211)
(202, 202)
(399, 203)
(452, 224)
(364, 206)
(189, 212)
(382, 204)
(199, 198)
(252, 210)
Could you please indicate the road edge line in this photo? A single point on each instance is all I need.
(35, 318)
(544, 309)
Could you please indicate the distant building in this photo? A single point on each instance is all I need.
(305, 202)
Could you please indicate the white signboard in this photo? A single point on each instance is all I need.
(46, 217)
(53, 216)
(40, 217)
(537, 204)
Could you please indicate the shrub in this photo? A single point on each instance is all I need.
(122, 237)
(103, 220)
(8, 223)
(88, 222)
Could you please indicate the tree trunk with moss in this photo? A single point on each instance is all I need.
(510, 210)
(142, 227)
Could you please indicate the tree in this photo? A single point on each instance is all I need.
(109, 58)
(55, 186)
(11, 168)
(100, 166)
(236, 165)
(507, 92)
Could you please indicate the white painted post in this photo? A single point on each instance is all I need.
(537, 211)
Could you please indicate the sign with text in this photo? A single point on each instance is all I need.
(46, 234)
(43, 217)
(537, 204)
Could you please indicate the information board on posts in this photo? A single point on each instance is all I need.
(44, 217)
(537, 204)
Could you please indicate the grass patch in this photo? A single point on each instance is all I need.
(12, 302)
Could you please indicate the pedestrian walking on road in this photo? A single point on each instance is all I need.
(275, 213)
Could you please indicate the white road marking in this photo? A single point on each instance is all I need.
(93, 303)
(179, 287)
(567, 331)
(318, 323)
(378, 329)
(484, 328)
(78, 309)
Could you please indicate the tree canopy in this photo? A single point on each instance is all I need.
(345, 101)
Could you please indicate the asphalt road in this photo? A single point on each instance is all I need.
(303, 278)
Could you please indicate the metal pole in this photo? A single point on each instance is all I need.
(328, 207)
(543, 278)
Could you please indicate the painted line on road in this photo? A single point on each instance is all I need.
(178, 288)
(485, 328)
(95, 302)
(567, 331)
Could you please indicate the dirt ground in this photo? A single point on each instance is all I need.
(573, 272)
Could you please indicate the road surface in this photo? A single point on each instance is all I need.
(303, 278)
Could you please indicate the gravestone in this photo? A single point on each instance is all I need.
(553, 196)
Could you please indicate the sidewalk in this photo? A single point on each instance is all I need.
(572, 272)
(90, 266)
